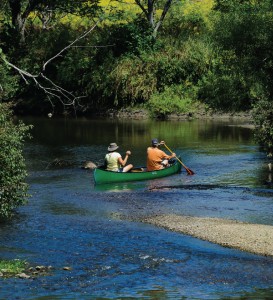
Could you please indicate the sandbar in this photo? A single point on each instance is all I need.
(253, 238)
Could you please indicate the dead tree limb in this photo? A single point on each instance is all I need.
(51, 89)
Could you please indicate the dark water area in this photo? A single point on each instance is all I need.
(95, 232)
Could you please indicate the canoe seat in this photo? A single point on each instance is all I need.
(138, 170)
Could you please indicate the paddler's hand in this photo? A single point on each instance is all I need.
(128, 152)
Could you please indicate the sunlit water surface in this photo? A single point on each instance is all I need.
(69, 222)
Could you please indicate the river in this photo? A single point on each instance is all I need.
(90, 234)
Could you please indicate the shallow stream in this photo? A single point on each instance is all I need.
(94, 232)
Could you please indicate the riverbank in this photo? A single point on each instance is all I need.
(253, 238)
(201, 113)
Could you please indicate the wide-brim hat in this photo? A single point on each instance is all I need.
(155, 142)
(112, 147)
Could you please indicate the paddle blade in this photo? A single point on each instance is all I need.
(189, 171)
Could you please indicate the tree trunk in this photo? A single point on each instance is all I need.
(162, 17)
(18, 21)
(150, 13)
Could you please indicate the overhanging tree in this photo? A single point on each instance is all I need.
(21, 14)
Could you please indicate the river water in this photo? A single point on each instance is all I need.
(70, 223)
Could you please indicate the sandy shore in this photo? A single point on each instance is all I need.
(254, 238)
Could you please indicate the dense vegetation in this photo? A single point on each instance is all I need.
(13, 189)
(84, 56)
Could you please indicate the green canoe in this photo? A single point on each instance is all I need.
(103, 176)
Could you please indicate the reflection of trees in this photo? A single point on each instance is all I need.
(79, 140)
(89, 132)
(225, 133)
(134, 133)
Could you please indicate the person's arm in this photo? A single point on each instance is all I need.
(167, 156)
(124, 161)
(173, 155)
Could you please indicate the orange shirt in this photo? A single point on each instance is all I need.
(154, 158)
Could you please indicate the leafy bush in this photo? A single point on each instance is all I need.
(13, 189)
(8, 82)
(133, 80)
(263, 119)
(224, 86)
(136, 38)
(243, 59)
(187, 19)
(137, 78)
(174, 99)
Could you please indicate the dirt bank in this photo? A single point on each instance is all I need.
(254, 238)
(201, 113)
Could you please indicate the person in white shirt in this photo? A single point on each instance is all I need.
(114, 161)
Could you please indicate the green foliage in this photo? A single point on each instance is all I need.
(226, 6)
(263, 120)
(174, 99)
(243, 58)
(8, 82)
(223, 87)
(96, 71)
(136, 38)
(187, 19)
(184, 64)
(12, 267)
(133, 80)
(126, 68)
(137, 78)
(13, 189)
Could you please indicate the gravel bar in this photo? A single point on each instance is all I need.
(253, 238)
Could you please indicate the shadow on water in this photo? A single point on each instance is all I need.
(83, 232)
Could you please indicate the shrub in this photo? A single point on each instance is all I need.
(13, 189)
(8, 82)
(263, 120)
(174, 99)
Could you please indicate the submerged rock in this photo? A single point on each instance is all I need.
(59, 163)
(23, 276)
(89, 165)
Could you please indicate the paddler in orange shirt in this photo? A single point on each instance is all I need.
(156, 158)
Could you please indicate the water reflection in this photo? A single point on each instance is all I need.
(118, 187)
(97, 132)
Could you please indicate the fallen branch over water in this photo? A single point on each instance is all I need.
(254, 238)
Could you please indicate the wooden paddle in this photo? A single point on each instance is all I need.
(189, 171)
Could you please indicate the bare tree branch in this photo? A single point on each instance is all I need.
(52, 90)
(70, 45)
